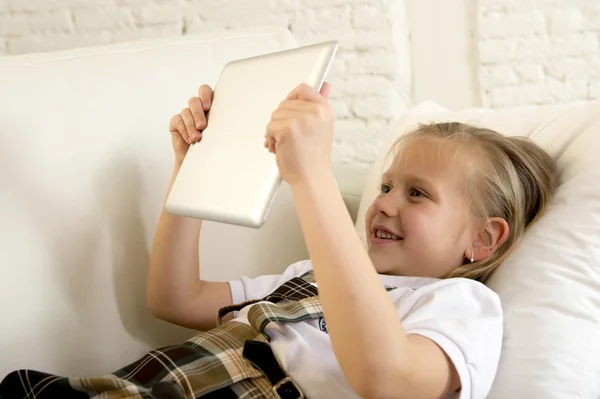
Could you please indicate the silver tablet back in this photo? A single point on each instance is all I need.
(229, 176)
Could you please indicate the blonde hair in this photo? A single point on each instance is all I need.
(514, 179)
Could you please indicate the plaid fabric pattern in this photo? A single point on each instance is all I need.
(209, 365)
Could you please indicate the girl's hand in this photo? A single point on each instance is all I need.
(300, 134)
(186, 127)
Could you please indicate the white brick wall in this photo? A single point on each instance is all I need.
(538, 52)
(526, 51)
(371, 87)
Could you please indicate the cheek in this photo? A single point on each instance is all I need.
(443, 230)
(427, 227)
(416, 221)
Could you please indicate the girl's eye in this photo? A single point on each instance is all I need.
(416, 193)
(385, 188)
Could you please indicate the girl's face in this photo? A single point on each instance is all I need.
(420, 223)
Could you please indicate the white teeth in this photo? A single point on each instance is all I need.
(386, 235)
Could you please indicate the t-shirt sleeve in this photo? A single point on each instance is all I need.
(246, 288)
(464, 318)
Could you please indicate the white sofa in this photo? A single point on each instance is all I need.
(85, 159)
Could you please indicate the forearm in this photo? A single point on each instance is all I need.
(365, 331)
(174, 265)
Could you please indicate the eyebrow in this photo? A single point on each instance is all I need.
(411, 178)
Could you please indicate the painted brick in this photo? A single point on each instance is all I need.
(286, 6)
(346, 42)
(18, 24)
(594, 89)
(370, 15)
(528, 73)
(557, 91)
(592, 19)
(156, 14)
(265, 20)
(525, 94)
(371, 107)
(499, 75)
(177, 3)
(340, 107)
(359, 152)
(224, 11)
(373, 39)
(315, 4)
(43, 5)
(491, 51)
(531, 49)
(594, 66)
(147, 32)
(579, 89)
(551, 64)
(365, 73)
(360, 39)
(113, 18)
(380, 62)
(579, 45)
(350, 129)
(337, 20)
(572, 68)
(512, 25)
(367, 85)
(565, 20)
(199, 26)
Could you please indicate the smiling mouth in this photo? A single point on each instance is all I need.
(385, 235)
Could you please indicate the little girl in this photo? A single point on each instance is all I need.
(408, 318)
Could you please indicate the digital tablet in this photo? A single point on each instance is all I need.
(229, 176)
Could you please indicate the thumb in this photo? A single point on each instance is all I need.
(325, 90)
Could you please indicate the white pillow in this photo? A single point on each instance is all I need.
(550, 285)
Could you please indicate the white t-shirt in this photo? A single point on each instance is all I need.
(462, 316)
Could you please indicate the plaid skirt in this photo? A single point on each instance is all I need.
(209, 365)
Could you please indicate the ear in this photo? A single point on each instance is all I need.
(493, 234)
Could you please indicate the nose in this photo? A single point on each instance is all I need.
(387, 205)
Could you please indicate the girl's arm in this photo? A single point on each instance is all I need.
(378, 359)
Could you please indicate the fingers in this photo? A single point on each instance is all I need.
(270, 144)
(304, 92)
(196, 107)
(193, 135)
(190, 122)
(205, 93)
(176, 126)
(275, 132)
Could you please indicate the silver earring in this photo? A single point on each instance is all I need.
(472, 256)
